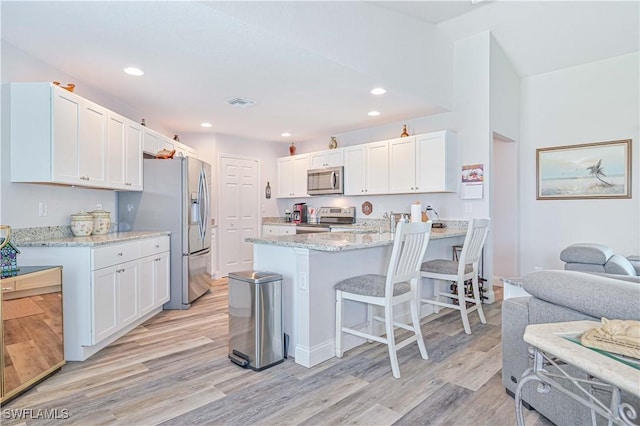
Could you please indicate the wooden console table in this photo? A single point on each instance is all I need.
(31, 336)
(552, 348)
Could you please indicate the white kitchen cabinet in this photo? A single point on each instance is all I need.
(328, 158)
(366, 169)
(153, 142)
(114, 299)
(56, 136)
(108, 289)
(423, 163)
(275, 230)
(124, 139)
(437, 168)
(292, 176)
(154, 274)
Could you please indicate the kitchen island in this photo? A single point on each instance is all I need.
(312, 263)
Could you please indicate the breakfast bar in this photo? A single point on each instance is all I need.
(311, 264)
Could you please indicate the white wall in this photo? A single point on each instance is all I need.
(589, 103)
(505, 126)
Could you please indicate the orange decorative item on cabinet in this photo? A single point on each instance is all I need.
(68, 87)
(292, 149)
(165, 154)
(404, 133)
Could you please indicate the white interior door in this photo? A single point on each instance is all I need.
(239, 212)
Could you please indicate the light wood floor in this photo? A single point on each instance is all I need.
(174, 370)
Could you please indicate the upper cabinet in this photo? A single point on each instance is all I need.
(437, 168)
(57, 137)
(124, 138)
(328, 158)
(366, 169)
(423, 163)
(292, 176)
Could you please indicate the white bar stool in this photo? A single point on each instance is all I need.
(398, 286)
(460, 271)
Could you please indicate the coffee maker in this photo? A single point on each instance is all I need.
(300, 213)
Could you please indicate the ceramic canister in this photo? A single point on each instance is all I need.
(81, 224)
(101, 222)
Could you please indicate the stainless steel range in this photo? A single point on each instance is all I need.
(326, 217)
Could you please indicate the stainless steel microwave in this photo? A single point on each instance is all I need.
(325, 181)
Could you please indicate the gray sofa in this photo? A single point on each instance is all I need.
(589, 257)
(558, 296)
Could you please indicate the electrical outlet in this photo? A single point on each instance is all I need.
(42, 209)
(99, 206)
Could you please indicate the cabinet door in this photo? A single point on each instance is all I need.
(402, 165)
(116, 141)
(165, 143)
(161, 278)
(146, 296)
(66, 137)
(151, 142)
(377, 168)
(354, 170)
(317, 160)
(330, 158)
(285, 178)
(104, 317)
(127, 293)
(437, 168)
(335, 157)
(133, 157)
(93, 144)
(300, 167)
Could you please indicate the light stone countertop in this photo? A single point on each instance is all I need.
(339, 241)
(91, 240)
(549, 338)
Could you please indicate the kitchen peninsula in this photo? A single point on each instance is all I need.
(312, 263)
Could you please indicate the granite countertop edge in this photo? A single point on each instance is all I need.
(326, 241)
(91, 240)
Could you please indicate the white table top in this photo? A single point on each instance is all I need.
(549, 338)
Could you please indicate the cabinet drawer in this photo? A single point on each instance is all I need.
(8, 285)
(153, 246)
(45, 279)
(114, 254)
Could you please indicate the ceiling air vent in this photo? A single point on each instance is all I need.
(241, 102)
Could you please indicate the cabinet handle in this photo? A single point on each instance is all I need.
(120, 254)
(158, 259)
(7, 288)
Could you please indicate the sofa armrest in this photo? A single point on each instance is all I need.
(590, 294)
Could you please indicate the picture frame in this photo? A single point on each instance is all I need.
(600, 170)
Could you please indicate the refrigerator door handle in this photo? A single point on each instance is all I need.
(206, 204)
(201, 205)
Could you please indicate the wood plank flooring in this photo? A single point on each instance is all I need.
(174, 370)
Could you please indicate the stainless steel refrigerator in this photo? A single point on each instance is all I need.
(176, 198)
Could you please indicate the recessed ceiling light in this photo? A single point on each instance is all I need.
(286, 134)
(378, 91)
(134, 71)
(374, 113)
(206, 125)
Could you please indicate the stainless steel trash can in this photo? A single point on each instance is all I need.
(255, 319)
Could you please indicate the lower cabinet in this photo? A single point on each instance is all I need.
(274, 230)
(108, 289)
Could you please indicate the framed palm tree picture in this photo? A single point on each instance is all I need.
(593, 170)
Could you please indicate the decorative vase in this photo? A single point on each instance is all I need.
(404, 133)
(101, 222)
(292, 149)
(81, 224)
(334, 143)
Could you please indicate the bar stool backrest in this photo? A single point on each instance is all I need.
(473, 243)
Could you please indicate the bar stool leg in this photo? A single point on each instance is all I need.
(339, 304)
(462, 303)
(476, 296)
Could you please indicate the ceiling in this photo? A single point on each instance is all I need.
(309, 66)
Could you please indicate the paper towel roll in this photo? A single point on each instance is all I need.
(416, 212)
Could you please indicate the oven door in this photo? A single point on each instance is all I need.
(325, 181)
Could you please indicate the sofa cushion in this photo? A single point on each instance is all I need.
(619, 265)
(586, 253)
(586, 293)
(584, 267)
